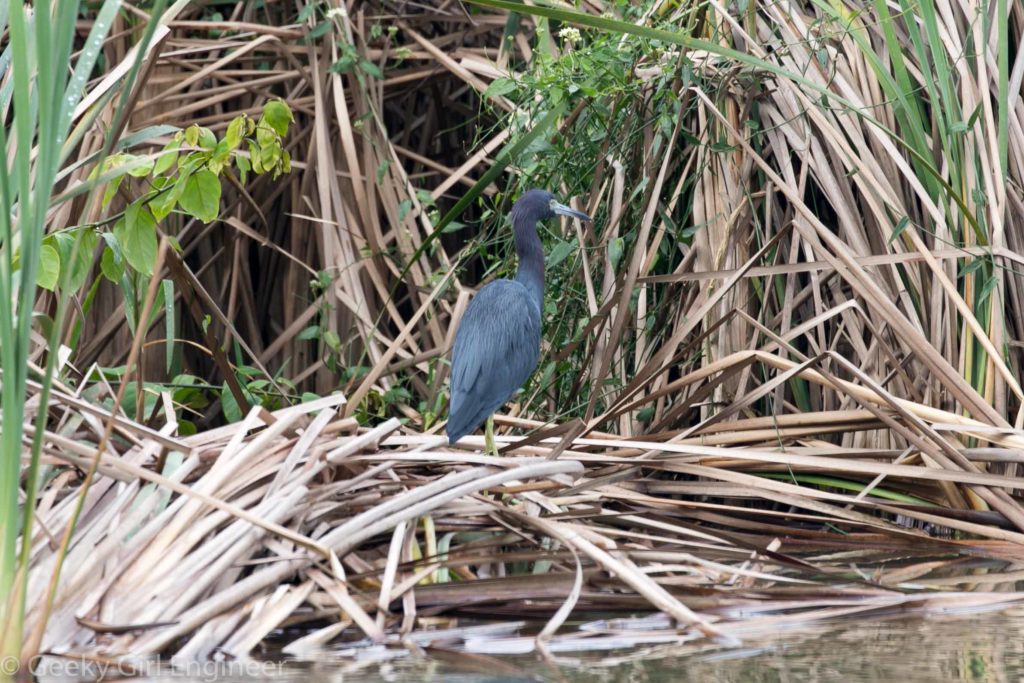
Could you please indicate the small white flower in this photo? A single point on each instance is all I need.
(570, 34)
(336, 13)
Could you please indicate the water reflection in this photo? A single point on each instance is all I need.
(983, 646)
(952, 647)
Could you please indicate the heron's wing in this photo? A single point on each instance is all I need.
(496, 349)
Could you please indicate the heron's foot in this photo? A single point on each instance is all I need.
(490, 447)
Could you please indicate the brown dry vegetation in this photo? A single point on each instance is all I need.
(793, 396)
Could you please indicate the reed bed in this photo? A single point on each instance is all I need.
(301, 525)
(779, 378)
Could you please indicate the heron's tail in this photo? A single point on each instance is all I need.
(464, 418)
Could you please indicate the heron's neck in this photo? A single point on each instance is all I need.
(531, 259)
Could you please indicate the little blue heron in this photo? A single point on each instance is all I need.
(498, 342)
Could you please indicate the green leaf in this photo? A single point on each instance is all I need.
(49, 267)
(403, 209)
(254, 158)
(645, 415)
(111, 266)
(269, 154)
(278, 116)
(167, 159)
(169, 323)
(311, 332)
(136, 233)
(111, 189)
(220, 157)
(243, 167)
(499, 87)
(615, 249)
(162, 204)
(971, 266)
(207, 140)
(266, 135)
(319, 30)
(370, 69)
(236, 133)
(232, 412)
(139, 167)
(900, 227)
(987, 289)
(65, 245)
(201, 196)
(560, 252)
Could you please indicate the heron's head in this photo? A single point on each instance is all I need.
(539, 205)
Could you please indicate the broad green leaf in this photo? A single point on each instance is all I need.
(64, 242)
(278, 116)
(207, 140)
(111, 189)
(236, 132)
(560, 252)
(269, 155)
(49, 267)
(266, 136)
(254, 158)
(167, 159)
(311, 332)
(139, 167)
(164, 203)
(201, 196)
(370, 69)
(499, 87)
(136, 233)
(111, 266)
(232, 411)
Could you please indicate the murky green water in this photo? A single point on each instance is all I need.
(949, 647)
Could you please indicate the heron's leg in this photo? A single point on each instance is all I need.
(491, 447)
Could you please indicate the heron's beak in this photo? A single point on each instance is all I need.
(564, 210)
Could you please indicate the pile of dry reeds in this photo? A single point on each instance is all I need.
(300, 519)
(786, 350)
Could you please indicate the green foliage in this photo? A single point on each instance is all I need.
(257, 390)
(186, 176)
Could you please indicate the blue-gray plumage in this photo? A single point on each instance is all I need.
(498, 342)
